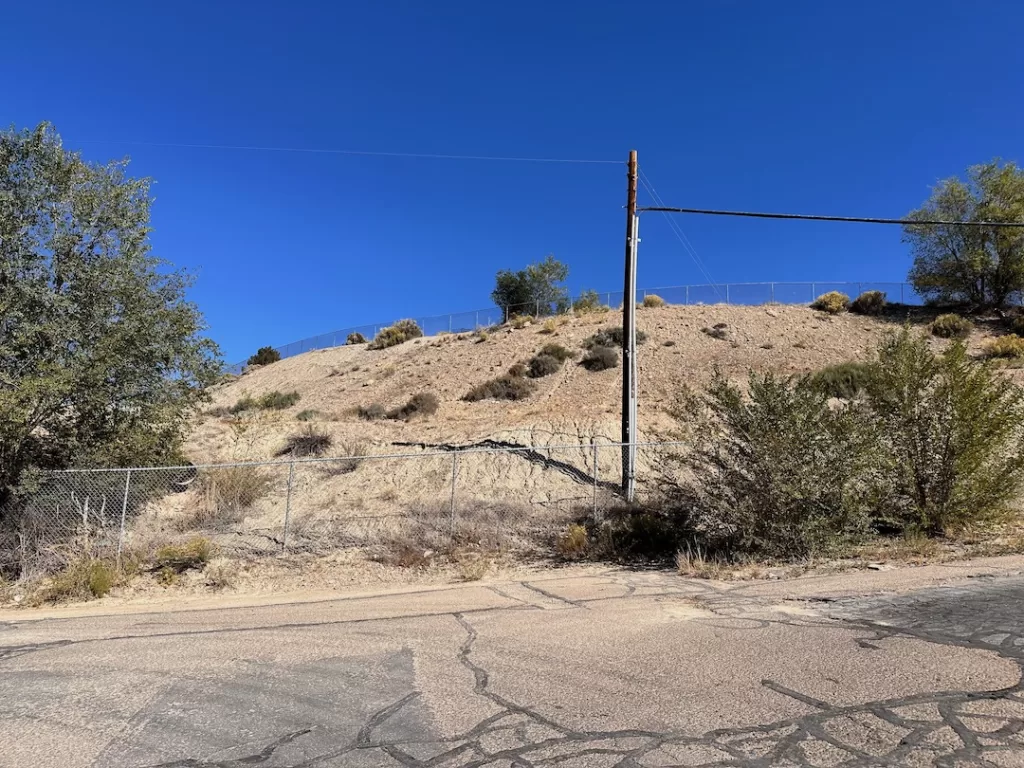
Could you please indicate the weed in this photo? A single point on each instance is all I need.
(83, 578)
(557, 351)
(421, 404)
(355, 338)
(652, 301)
(403, 330)
(351, 451)
(220, 574)
(518, 370)
(693, 563)
(600, 359)
(573, 543)
(310, 414)
(717, 331)
(588, 301)
(219, 411)
(167, 577)
(309, 442)
(482, 336)
(869, 303)
(832, 302)
(521, 321)
(473, 568)
(195, 553)
(272, 401)
(225, 493)
(1008, 346)
(550, 325)
(951, 326)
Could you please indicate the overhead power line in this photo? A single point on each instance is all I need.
(369, 153)
(812, 217)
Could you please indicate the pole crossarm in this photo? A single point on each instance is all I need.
(814, 217)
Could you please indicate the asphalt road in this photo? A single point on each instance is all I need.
(622, 669)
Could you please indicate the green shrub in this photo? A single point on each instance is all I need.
(395, 334)
(502, 388)
(355, 338)
(600, 359)
(371, 412)
(832, 302)
(264, 356)
(611, 337)
(310, 414)
(543, 365)
(952, 430)
(1017, 325)
(588, 301)
(309, 442)
(83, 578)
(421, 404)
(1009, 346)
(951, 326)
(278, 401)
(869, 303)
(518, 322)
(195, 553)
(777, 473)
(845, 380)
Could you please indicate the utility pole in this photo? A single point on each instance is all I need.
(629, 336)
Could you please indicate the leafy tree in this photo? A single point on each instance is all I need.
(983, 266)
(534, 290)
(102, 358)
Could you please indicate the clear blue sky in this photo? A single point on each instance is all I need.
(849, 108)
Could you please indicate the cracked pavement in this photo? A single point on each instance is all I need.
(639, 669)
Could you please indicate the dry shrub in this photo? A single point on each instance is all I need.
(869, 303)
(600, 359)
(832, 302)
(309, 442)
(951, 326)
(421, 404)
(225, 493)
(611, 337)
(473, 567)
(1009, 346)
(355, 338)
(1017, 325)
(694, 563)
(550, 325)
(195, 553)
(395, 334)
(573, 543)
(371, 412)
(518, 369)
(543, 365)
(653, 300)
(505, 387)
(589, 301)
(556, 351)
(220, 573)
(272, 401)
(219, 411)
(521, 321)
(309, 414)
(82, 578)
(717, 331)
(352, 452)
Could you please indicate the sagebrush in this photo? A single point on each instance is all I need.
(393, 335)
(951, 326)
(832, 302)
(264, 356)
(600, 359)
(420, 404)
(869, 303)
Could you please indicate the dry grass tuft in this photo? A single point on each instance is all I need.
(653, 301)
(195, 553)
(832, 303)
(951, 326)
(421, 404)
(1009, 346)
(225, 494)
(573, 543)
(309, 442)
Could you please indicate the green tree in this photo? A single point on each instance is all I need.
(536, 290)
(983, 266)
(102, 358)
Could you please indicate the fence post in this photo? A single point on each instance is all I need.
(726, 293)
(595, 483)
(288, 506)
(455, 471)
(773, 293)
(609, 302)
(476, 322)
(901, 293)
(124, 513)
(687, 300)
(813, 297)
(860, 288)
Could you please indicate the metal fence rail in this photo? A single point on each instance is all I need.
(717, 293)
(504, 497)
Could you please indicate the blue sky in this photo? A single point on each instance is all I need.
(848, 108)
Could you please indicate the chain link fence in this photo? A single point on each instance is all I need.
(508, 498)
(750, 294)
